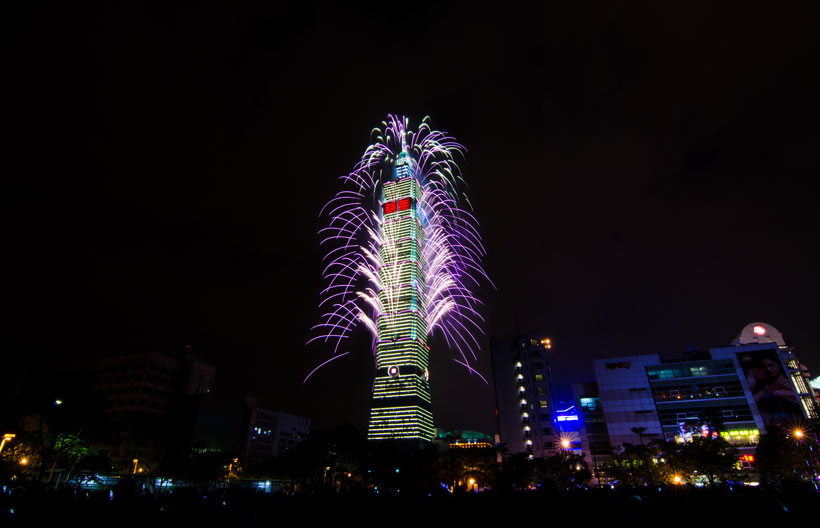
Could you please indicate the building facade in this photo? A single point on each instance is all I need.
(150, 383)
(271, 433)
(524, 395)
(401, 407)
(734, 391)
(704, 396)
(779, 383)
(595, 445)
(626, 399)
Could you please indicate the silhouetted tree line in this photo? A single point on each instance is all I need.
(69, 439)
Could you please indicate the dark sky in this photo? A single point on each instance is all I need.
(646, 178)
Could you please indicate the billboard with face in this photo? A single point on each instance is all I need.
(770, 385)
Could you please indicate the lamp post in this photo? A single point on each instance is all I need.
(6, 437)
(807, 451)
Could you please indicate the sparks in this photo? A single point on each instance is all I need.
(368, 260)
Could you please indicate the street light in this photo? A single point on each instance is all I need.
(6, 438)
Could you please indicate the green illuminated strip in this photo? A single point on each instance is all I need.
(402, 328)
(404, 353)
(401, 189)
(400, 422)
(399, 386)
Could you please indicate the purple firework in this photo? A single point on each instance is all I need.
(452, 250)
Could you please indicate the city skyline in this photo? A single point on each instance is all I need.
(646, 180)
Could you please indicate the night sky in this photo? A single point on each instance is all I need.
(645, 176)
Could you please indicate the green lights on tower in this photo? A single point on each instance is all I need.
(401, 406)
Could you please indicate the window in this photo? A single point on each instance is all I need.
(699, 371)
(539, 377)
(542, 403)
(540, 390)
(546, 431)
(589, 404)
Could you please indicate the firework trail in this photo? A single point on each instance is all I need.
(363, 264)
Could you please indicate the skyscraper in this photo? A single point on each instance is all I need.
(524, 395)
(401, 391)
(403, 255)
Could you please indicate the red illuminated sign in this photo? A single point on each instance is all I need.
(400, 205)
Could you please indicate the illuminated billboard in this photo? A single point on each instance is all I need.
(770, 385)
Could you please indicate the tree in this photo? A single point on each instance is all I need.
(713, 457)
(456, 467)
(675, 462)
(789, 452)
(636, 465)
(517, 472)
(231, 472)
(59, 432)
(563, 470)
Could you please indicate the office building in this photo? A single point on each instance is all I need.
(733, 391)
(272, 433)
(524, 395)
(595, 445)
(626, 399)
(150, 383)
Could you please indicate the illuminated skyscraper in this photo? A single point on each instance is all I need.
(403, 255)
(401, 391)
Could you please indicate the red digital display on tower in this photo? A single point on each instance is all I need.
(404, 204)
(389, 207)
